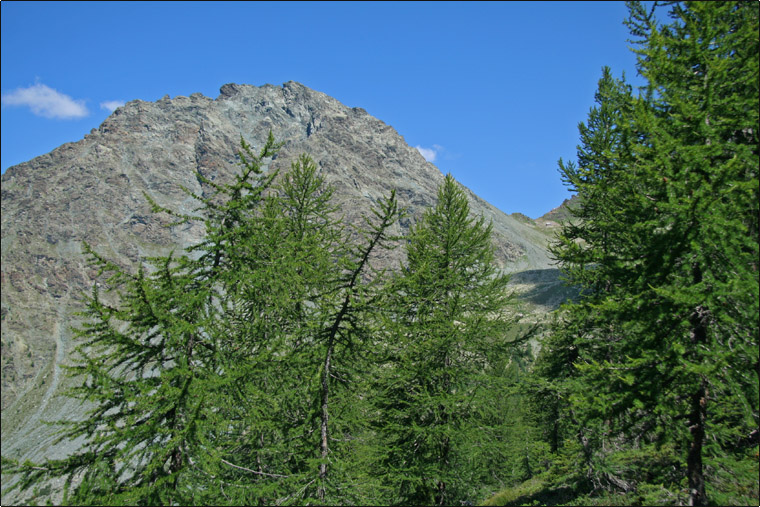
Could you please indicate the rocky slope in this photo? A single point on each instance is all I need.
(92, 190)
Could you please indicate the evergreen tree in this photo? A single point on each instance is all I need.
(149, 365)
(227, 374)
(445, 343)
(329, 356)
(285, 263)
(306, 292)
(665, 249)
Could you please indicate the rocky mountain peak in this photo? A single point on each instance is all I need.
(92, 190)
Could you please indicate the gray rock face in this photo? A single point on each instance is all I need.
(92, 190)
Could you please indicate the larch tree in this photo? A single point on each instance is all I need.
(664, 338)
(149, 364)
(227, 374)
(446, 334)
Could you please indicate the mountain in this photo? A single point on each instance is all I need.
(561, 213)
(93, 190)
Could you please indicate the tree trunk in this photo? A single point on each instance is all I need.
(695, 473)
(325, 419)
(440, 498)
(698, 409)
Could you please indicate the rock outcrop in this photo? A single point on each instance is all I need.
(92, 190)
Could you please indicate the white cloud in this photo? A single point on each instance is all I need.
(45, 101)
(111, 105)
(429, 153)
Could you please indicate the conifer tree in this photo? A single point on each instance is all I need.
(149, 365)
(446, 334)
(325, 355)
(268, 311)
(228, 374)
(665, 250)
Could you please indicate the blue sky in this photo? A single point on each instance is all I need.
(491, 92)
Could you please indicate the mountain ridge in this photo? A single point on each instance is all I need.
(92, 190)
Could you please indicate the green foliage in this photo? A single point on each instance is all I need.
(445, 354)
(660, 354)
(519, 495)
(539, 490)
(272, 363)
(228, 374)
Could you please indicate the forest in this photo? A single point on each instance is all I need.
(275, 363)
